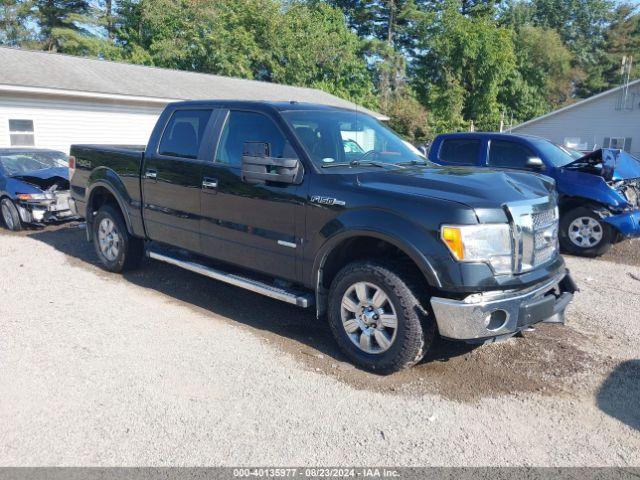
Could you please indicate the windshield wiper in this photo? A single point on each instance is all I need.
(358, 163)
(413, 162)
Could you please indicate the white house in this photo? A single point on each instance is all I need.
(610, 119)
(52, 101)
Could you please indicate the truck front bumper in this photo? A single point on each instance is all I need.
(628, 223)
(487, 316)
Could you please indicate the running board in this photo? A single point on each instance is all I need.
(288, 296)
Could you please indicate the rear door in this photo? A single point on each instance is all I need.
(252, 226)
(172, 179)
(460, 151)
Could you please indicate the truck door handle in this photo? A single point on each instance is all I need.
(210, 183)
(151, 174)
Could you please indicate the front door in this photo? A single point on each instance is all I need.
(252, 226)
(172, 181)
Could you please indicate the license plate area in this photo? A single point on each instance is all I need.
(537, 310)
(61, 203)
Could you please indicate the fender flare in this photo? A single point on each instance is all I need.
(412, 251)
(117, 191)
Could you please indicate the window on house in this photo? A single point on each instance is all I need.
(21, 133)
(618, 143)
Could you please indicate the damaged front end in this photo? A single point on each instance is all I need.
(620, 172)
(49, 204)
(627, 220)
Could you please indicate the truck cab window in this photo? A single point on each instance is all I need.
(509, 155)
(183, 135)
(460, 151)
(242, 127)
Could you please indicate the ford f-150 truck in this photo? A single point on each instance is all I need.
(327, 208)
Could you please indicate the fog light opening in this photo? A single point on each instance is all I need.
(496, 320)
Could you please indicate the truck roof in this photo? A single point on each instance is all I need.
(261, 105)
(493, 135)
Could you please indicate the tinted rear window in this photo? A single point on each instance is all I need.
(460, 151)
(184, 132)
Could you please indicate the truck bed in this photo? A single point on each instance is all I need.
(122, 164)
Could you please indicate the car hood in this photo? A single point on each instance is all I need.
(475, 187)
(46, 178)
(610, 164)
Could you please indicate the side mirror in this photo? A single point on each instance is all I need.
(259, 167)
(535, 163)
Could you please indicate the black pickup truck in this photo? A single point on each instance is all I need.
(325, 207)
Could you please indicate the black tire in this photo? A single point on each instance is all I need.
(415, 331)
(593, 249)
(10, 216)
(129, 251)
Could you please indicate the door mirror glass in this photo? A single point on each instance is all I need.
(258, 166)
(535, 163)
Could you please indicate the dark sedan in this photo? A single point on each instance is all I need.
(34, 187)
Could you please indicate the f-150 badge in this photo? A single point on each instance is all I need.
(326, 201)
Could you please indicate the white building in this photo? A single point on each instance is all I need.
(52, 101)
(610, 119)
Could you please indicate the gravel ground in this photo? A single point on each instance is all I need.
(162, 367)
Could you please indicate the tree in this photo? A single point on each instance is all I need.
(306, 45)
(315, 48)
(407, 116)
(581, 24)
(543, 78)
(388, 28)
(465, 64)
(68, 26)
(622, 39)
(13, 30)
(476, 8)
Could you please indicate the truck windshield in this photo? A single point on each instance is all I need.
(349, 139)
(556, 155)
(24, 162)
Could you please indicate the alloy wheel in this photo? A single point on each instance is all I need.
(109, 239)
(369, 318)
(585, 232)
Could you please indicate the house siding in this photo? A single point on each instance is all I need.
(60, 123)
(592, 122)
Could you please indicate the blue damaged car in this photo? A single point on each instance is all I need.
(34, 187)
(599, 192)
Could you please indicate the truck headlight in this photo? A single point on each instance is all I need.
(26, 197)
(490, 243)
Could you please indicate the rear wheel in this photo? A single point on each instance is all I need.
(10, 215)
(584, 233)
(117, 250)
(377, 319)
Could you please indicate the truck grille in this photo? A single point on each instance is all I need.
(534, 226)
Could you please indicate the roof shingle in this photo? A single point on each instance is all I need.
(25, 68)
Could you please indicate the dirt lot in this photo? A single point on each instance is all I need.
(162, 367)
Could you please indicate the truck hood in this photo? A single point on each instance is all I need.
(46, 179)
(610, 164)
(475, 187)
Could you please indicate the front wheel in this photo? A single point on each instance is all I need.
(584, 233)
(117, 250)
(10, 215)
(377, 319)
